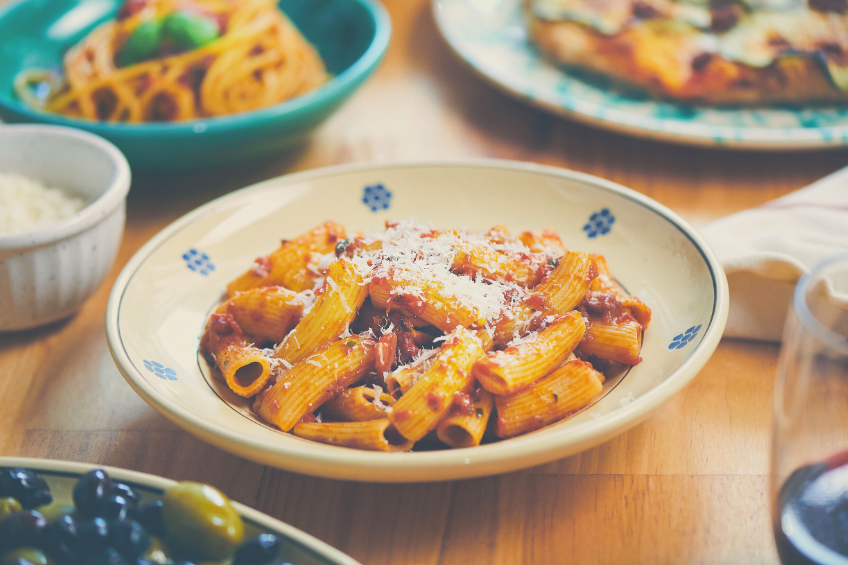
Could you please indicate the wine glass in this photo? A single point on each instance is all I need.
(809, 470)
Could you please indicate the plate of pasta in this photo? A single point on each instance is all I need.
(417, 322)
(179, 84)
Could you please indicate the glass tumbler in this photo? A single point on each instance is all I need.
(809, 469)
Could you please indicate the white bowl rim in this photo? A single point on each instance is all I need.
(111, 198)
(154, 482)
(336, 459)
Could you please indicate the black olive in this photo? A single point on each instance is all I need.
(90, 491)
(129, 538)
(93, 536)
(146, 561)
(149, 515)
(28, 488)
(113, 507)
(26, 528)
(73, 558)
(260, 550)
(128, 493)
(106, 556)
(62, 536)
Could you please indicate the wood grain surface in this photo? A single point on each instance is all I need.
(690, 485)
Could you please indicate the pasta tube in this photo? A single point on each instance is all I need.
(331, 313)
(295, 264)
(605, 283)
(315, 380)
(617, 342)
(485, 338)
(514, 368)
(543, 241)
(401, 379)
(419, 410)
(426, 299)
(474, 259)
(245, 369)
(466, 422)
(548, 400)
(519, 322)
(373, 435)
(499, 234)
(268, 313)
(356, 405)
(565, 286)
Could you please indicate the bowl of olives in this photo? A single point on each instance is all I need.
(61, 513)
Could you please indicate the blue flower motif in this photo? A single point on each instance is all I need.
(599, 223)
(377, 197)
(198, 262)
(160, 370)
(680, 340)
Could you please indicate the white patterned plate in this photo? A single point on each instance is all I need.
(491, 36)
(161, 300)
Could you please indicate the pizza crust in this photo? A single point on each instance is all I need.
(668, 61)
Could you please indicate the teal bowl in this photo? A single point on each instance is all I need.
(351, 36)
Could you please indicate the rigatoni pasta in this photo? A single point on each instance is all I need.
(548, 400)
(520, 365)
(414, 334)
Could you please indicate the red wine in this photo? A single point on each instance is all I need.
(811, 522)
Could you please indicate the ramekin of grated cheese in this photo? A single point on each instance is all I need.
(62, 209)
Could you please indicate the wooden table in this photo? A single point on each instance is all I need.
(690, 485)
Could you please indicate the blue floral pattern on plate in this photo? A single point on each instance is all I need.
(198, 262)
(600, 223)
(681, 340)
(491, 37)
(160, 370)
(377, 197)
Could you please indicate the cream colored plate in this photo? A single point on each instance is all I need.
(296, 547)
(160, 301)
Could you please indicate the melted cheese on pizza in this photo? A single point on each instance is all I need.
(752, 32)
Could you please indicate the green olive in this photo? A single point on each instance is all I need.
(189, 30)
(158, 552)
(201, 522)
(8, 506)
(26, 556)
(144, 42)
(55, 511)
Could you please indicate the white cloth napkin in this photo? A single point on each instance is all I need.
(765, 250)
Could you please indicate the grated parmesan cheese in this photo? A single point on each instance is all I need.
(428, 256)
(26, 204)
(523, 339)
(335, 286)
(378, 402)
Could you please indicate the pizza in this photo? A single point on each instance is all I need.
(720, 52)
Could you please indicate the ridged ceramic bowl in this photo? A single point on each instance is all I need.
(47, 274)
(161, 300)
(350, 35)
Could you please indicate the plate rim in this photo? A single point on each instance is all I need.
(351, 464)
(722, 137)
(156, 482)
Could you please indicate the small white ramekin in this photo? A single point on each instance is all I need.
(46, 274)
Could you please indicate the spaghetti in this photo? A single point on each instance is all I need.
(255, 57)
